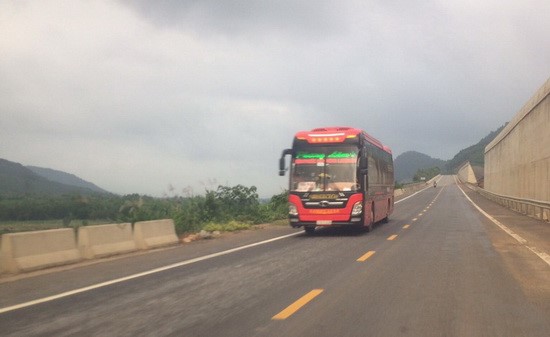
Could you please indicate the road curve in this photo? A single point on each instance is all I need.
(438, 268)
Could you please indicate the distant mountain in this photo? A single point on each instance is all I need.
(65, 178)
(475, 154)
(408, 163)
(18, 180)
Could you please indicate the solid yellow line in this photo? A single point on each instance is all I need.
(291, 309)
(392, 237)
(366, 256)
(406, 226)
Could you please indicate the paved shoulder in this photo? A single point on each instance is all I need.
(536, 232)
(524, 246)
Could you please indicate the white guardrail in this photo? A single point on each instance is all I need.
(533, 208)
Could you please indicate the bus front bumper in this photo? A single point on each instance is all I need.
(296, 223)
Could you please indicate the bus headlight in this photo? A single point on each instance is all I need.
(292, 210)
(357, 208)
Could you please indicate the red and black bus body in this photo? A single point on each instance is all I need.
(339, 176)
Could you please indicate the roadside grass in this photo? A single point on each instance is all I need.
(230, 226)
(281, 222)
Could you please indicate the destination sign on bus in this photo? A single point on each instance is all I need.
(333, 155)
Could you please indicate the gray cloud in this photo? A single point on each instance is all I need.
(234, 17)
(136, 95)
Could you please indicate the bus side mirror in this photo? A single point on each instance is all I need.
(282, 167)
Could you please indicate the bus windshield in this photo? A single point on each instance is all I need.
(326, 168)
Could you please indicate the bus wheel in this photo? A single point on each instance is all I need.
(387, 218)
(370, 226)
(309, 230)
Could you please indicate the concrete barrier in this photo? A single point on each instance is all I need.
(105, 240)
(414, 187)
(36, 250)
(156, 233)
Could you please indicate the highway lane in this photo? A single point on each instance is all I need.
(438, 268)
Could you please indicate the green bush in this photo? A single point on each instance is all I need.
(231, 206)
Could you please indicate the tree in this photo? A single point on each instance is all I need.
(237, 202)
(427, 173)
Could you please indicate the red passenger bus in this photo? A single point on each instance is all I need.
(339, 176)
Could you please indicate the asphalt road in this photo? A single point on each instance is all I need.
(438, 268)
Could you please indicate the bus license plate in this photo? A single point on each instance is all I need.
(324, 222)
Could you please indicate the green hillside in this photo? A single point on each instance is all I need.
(475, 154)
(411, 163)
(65, 178)
(17, 180)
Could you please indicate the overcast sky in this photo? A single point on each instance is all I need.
(135, 96)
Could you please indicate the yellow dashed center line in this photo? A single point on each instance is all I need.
(391, 238)
(291, 309)
(366, 256)
(406, 226)
(414, 219)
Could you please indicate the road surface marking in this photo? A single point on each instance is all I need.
(414, 219)
(541, 254)
(366, 256)
(420, 214)
(134, 276)
(406, 226)
(391, 238)
(291, 309)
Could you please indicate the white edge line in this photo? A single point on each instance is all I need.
(134, 276)
(544, 256)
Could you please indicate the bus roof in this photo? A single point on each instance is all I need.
(337, 134)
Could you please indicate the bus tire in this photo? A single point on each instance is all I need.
(387, 218)
(309, 230)
(370, 226)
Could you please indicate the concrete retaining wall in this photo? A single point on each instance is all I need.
(105, 240)
(466, 174)
(35, 250)
(517, 161)
(156, 233)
